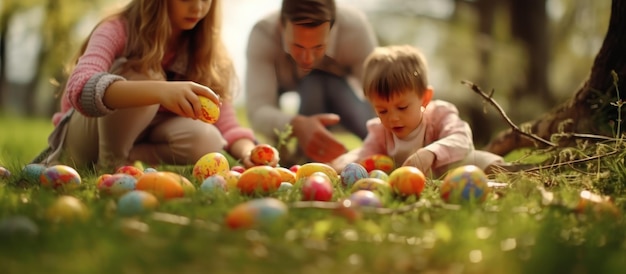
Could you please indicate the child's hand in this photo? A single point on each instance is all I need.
(181, 97)
(247, 163)
(422, 159)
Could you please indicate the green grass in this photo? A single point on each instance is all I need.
(519, 229)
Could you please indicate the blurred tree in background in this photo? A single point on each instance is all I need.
(533, 53)
(57, 28)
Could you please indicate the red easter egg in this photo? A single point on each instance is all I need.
(317, 187)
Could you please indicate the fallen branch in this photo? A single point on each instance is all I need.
(513, 126)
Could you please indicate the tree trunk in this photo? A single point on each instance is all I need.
(4, 27)
(589, 110)
(529, 24)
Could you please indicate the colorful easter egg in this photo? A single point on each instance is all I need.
(4, 173)
(149, 169)
(214, 183)
(209, 164)
(464, 184)
(309, 168)
(210, 111)
(264, 154)
(365, 198)
(116, 184)
(18, 226)
(163, 184)
(378, 161)
(317, 187)
(60, 177)
(379, 174)
(352, 173)
(407, 181)
(261, 212)
(67, 209)
(136, 202)
(130, 170)
(371, 184)
(232, 178)
(32, 172)
(286, 175)
(259, 180)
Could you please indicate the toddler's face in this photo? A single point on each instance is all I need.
(401, 114)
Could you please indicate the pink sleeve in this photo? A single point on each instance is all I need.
(106, 43)
(375, 142)
(448, 137)
(229, 125)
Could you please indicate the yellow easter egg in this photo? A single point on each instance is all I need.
(67, 209)
(309, 168)
(209, 164)
(210, 110)
(286, 175)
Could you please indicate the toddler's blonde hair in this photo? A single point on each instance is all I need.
(390, 70)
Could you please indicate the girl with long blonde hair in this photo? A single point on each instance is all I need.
(133, 92)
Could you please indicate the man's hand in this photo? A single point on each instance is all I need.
(422, 159)
(317, 142)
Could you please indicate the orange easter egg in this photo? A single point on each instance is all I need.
(163, 184)
(259, 179)
(264, 154)
(407, 180)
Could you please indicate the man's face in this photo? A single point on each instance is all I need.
(307, 45)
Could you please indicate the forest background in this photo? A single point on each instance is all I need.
(534, 54)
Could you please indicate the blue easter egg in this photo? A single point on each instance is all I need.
(32, 172)
(352, 173)
(213, 183)
(136, 202)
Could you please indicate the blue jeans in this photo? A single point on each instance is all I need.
(322, 92)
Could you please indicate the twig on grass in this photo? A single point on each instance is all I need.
(514, 127)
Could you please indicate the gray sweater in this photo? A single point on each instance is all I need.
(270, 70)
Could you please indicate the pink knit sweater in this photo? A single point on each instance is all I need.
(90, 79)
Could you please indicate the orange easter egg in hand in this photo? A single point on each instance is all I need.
(210, 110)
(264, 154)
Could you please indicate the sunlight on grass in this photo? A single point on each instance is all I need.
(21, 139)
(538, 223)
